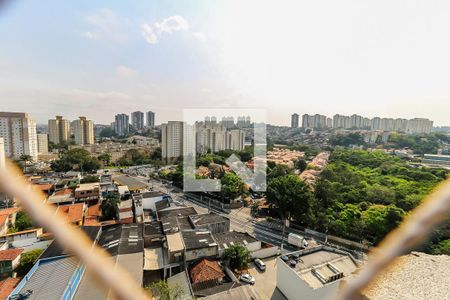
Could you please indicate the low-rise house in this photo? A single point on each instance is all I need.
(73, 213)
(228, 239)
(63, 196)
(153, 234)
(211, 222)
(205, 274)
(92, 215)
(149, 199)
(176, 212)
(23, 238)
(88, 192)
(199, 244)
(134, 185)
(9, 260)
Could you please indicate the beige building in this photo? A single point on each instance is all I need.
(83, 131)
(18, 131)
(58, 130)
(172, 140)
(235, 140)
(210, 137)
(42, 139)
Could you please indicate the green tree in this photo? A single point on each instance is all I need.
(23, 222)
(443, 247)
(232, 186)
(110, 206)
(105, 158)
(301, 165)
(291, 196)
(237, 256)
(90, 179)
(162, 291)
(27, 260)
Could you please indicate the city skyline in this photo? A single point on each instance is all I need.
(123, 57)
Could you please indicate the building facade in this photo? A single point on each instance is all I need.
(2, 153)
(294, 121)
(137, 120)
(150, 119)
(42, 140)
(172, 140)
(58, 130)
(122, 124)
(18, 131)
(83, 131)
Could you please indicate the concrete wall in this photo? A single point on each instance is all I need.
(265, 252)
(292, 287)
(149, 203)
(203, 252)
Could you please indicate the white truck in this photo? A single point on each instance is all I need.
(297, 240)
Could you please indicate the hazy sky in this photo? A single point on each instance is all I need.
(99, 58)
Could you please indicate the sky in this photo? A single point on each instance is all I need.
(100, 58)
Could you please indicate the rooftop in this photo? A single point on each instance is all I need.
(10, 254)
(87, 186)
(152, 228)
(321, 265)
(205, 219)
(72, 212)
(206, 270)
(9, 211)
(175, 242)
(176, 212)
(230, 238)
(7, 286)
(198, 239)
(243, 292)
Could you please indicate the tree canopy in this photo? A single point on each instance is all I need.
(238, 257)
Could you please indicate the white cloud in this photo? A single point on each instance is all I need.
(172, 24)
(124, 71)
(106, 24)
(148, 34)
(199, 36)
(152, 33)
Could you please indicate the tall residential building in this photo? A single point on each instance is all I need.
(137, 120)
(58, 130)
(122, 124)
(228, 122)
(235, 140)
(2, 153)
(18, 131)
(294, 120)
(172, 140)
(314, 121)
(83, 131)
(210, 137)
(150, 119)
(419, 125)
(42, 140)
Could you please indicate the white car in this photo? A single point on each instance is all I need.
(247, 278)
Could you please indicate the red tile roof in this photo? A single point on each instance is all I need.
(73, 212)
(63, 192)
(94, 210)
(9, 211)
(91, 221)
(10, 254)
(7, 286)
(206, 270)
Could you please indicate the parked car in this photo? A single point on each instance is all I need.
(260, 264)
(292, 263)
(295, 256)
(285, 258)
(247, 278)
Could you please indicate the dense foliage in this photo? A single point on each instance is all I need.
(237, 256)
(75, 159)
(23, 222)
(27, 261)
(162, 291)
(362, 195)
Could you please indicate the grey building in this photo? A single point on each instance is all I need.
(150, 119)
(294, 120)
(137, 120)
(212, 222)
(122, 124)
